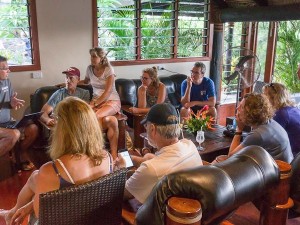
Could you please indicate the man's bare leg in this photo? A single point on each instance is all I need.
(8, 138)
(30, 135)
(184, 114)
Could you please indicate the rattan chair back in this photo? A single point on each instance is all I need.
(95, 202)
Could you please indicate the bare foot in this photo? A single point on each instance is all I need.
(7, 215)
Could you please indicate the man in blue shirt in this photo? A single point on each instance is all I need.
(197, 91)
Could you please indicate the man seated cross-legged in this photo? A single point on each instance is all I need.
(9, 137)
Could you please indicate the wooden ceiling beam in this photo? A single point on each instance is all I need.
(220, 4)
(261, 2)
(270, 13)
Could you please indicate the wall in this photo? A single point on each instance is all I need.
(65, 36)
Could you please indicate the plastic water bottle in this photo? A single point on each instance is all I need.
(234, 124)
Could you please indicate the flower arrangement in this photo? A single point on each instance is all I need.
(200, 120)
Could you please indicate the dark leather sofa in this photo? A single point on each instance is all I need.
(246, 176)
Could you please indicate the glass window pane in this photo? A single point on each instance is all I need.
(152, 29)
(234, 38)
(262, 41)
(288, 55)
(157, 19)
(192, 28)
(15, 39)
(116, 28)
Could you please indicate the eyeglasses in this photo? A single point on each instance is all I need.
(54, 116)
(4, 69)
(194, 72)
(144, 78)
(272, 86)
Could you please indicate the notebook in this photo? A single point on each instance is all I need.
(23, 122)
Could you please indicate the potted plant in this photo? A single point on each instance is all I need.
(199, 121)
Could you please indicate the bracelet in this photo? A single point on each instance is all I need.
(238, 133)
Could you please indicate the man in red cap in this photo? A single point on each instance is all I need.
(109, 123)
(71, 89)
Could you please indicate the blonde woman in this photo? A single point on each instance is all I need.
(100, 74)
(286, 112)
(151, 92)
(78, 157)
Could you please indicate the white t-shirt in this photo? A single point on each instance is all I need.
(99, 83)
(179, 156)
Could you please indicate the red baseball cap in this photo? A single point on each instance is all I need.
(72, 71)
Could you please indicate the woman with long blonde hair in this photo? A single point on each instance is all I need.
(77, 153)
(286, 112)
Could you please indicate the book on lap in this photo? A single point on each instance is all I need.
(14, 124)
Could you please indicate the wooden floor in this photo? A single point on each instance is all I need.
(10, 187)
(9, 190)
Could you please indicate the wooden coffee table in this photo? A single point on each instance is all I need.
(215, 143)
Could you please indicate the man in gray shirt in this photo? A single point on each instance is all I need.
(256, 111)
(9, 100)
(110, 123)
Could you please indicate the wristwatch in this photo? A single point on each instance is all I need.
(238, 133)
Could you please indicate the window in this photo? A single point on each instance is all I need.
(132, 30)
(235, 39)
(261, 49)
(288, 55)
(18, 34)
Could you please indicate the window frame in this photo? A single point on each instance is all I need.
(36, 65)
(207, 45)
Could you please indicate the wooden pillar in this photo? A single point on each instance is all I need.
(215, 64)
(271, 48)
(183, 211)
(276, 203)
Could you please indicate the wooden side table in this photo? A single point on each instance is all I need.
(137, 127)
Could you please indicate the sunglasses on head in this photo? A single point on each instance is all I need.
(272, 86)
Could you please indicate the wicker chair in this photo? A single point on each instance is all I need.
(95, 202)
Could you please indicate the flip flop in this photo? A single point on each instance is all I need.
(27, 166)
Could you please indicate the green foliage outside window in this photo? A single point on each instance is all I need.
(117, 30)
(288, 55)
(14, 32)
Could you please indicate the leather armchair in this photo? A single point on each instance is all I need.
(221, 188)
(295, 184)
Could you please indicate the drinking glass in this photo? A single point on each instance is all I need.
(200, 139)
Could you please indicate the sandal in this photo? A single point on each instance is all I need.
(27, 166)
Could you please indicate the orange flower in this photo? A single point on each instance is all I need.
(200, 120)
